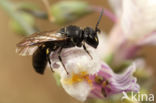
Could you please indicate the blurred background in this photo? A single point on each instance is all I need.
(19, 83)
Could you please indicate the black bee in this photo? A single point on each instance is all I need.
(41, 44)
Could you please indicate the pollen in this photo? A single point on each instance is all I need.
(76, 78)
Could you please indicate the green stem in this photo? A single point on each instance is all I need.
(11, 11)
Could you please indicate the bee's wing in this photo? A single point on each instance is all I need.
(29, 45)
(29, 50)
(41, 37)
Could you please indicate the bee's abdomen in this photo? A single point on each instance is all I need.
(39, 60)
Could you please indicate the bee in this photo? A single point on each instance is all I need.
(41, 44)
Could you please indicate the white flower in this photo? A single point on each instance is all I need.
(79, 64)
(137, 18)
(135, 27)
(117, 6)
(82, 81)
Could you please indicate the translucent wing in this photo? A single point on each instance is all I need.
(29, 45)
(29, 50)
(40, 37)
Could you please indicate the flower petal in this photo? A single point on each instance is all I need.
(149, 39)
(84, 78)
(138, 17)
(117, 83)
(125, 81)
(80, 91)
(79, 66)
(117, 6)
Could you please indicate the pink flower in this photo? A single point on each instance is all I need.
(107, 83)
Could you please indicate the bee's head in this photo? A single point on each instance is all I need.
(90, 37)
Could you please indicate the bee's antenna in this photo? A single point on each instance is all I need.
(97, 24)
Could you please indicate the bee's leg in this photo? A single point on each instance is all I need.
(84, 47)
(59, 56)
(48, 58)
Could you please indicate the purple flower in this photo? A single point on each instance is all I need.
(107, 83)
